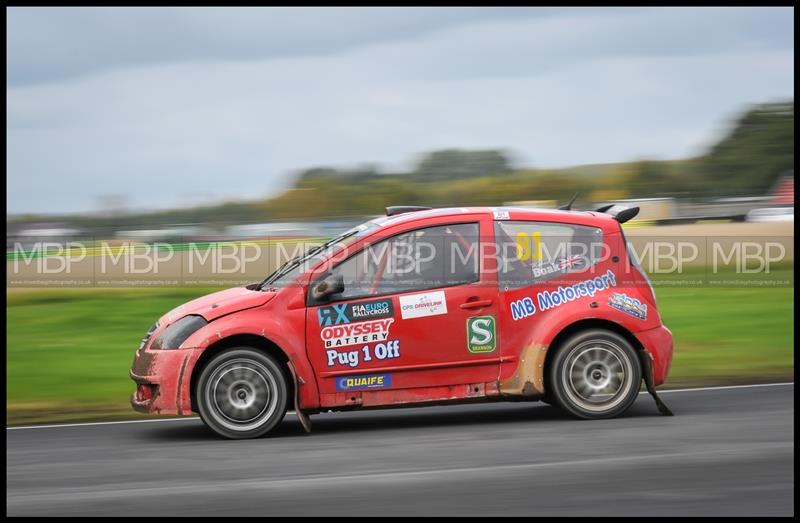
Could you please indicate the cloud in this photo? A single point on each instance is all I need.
(558, 88)
(59, 43)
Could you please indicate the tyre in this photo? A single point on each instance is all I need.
(242, 393)
(596, 374)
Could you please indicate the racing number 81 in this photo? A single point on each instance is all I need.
(529, 246)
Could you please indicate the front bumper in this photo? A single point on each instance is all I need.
(163, 381)
(658, 342)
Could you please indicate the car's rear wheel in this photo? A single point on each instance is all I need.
(242, 393)
(595, 374)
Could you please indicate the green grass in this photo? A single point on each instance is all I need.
(729, 335)
(69, 350)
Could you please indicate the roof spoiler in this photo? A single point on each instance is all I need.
(618, 212)
(402, 209)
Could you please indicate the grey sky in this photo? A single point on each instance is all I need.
(178, 106)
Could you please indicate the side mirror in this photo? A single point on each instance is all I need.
(331, 285)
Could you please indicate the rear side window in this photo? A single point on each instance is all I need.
(536, 252)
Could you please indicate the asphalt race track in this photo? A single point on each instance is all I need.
(726, 452)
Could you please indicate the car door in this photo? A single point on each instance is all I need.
(416, 313)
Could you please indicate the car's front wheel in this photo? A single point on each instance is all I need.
(242, 393)
(595, 374)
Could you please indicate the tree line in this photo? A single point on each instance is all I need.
(758, 149)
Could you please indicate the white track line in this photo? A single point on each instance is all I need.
(724, 387)
(101, 423)
(190, 418)
(89, 424)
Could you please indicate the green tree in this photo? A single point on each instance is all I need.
(453, 164)
(758, 149)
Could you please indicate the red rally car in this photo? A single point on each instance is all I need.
(419, 307)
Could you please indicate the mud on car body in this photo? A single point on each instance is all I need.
(422, 306)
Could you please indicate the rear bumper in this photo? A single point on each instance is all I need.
(163, 381)
(658, 342)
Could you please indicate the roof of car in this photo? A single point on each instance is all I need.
(500, 213)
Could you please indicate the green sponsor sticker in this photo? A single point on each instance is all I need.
(481, 335)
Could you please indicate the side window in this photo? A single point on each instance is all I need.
(421, 259)
(535, 252)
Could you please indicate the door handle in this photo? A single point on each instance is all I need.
(476, 304)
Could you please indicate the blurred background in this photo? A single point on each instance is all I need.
(165, 129)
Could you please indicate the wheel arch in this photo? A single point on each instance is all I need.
(241, 340)
(582, 325)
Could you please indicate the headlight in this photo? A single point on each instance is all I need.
(178, 332)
